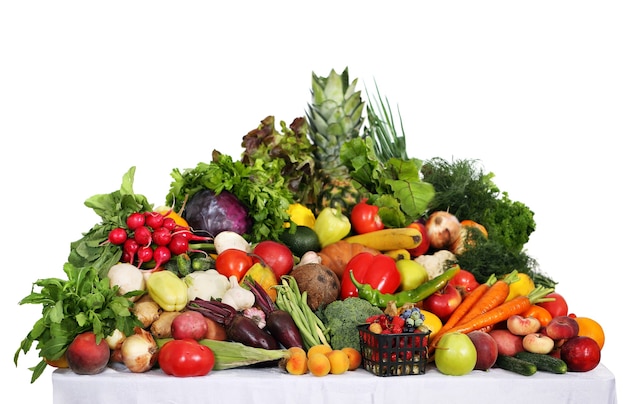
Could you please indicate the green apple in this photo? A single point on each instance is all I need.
(455, 354)
(412, 273)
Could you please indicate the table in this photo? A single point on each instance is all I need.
(272, 385)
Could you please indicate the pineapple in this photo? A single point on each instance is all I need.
(335, 116)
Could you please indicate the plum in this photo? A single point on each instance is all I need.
(85, 356)
(486, 349)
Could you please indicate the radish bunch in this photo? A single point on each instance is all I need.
(151, 237)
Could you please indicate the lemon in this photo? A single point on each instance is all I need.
(302, 240)
(431, 321)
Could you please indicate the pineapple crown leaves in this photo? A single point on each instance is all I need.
(336, 112)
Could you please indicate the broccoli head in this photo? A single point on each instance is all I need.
(341, 318)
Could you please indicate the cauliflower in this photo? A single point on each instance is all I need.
(437, 262)
(341, 318)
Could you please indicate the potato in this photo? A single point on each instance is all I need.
(319, 281)
(162, 327)
(189, 324)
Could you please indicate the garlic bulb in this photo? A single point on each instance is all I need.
(238, 297)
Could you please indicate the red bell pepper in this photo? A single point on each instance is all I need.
(364, 218)
(379, 271)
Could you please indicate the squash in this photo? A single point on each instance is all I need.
(337, 255)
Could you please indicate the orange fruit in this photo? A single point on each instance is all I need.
(590, 328)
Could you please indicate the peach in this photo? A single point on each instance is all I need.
(354, 356)
(339, 361)
(486, 349)
(538, 343)
(508, 343)
(318, 364)
(86, 357)
(562, 327)
(520, 325)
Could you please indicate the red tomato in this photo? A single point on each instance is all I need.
(277, 255)
(425, 244)
(233, 262)
(364, 218)
(186, 357)
(464, 281)
(557, 307)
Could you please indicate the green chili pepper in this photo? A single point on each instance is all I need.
(418, 294)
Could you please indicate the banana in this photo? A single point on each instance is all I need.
(389, 239)
(399, 254)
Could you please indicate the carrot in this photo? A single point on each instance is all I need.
(495, 296)
(463, 308)
(514, 306)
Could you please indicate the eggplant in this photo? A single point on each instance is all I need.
(211, 213)
(278, 322)
(239, 328)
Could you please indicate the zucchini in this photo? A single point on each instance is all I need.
(516, 365)
(544, 362)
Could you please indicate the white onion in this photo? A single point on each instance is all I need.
(443, 229)
(139, 351)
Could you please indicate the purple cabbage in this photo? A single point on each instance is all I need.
(210, 213)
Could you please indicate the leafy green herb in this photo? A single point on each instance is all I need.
(81, 303)
(113, 208)
(393, 185)
(467, 192)
(260, 186)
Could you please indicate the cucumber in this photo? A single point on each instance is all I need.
(516, 365)
(544, 362)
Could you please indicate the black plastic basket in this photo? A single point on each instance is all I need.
(393, 354)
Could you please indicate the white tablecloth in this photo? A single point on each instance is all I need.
(273, 386)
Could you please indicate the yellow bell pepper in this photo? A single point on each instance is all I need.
(167, 290)
(521, 287)
(301, 215)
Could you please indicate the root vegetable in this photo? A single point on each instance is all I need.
(127, 277)
(139, 351)
(443, 229)
(229, 239)
(146, 310)
(162, 327)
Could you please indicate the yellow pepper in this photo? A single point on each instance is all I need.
(167, 290)
(331, 225)
(265, 276)
(301, 215)
(521, 287)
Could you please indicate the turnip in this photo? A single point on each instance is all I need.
(127, 277)
(230, 239)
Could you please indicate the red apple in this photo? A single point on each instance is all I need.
(520, 325)
(443, 302)
(556, 307)
(465, 282)
(424, 245)
(508, 343)
(562, 327)
(538, 343)
(486, 349)
(85, 356)
(581, 354)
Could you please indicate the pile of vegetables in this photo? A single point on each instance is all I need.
(169, 260)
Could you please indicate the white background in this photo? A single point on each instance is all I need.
(535, 90)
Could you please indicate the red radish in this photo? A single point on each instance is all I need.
(135, 220)
(169, 223)
(144, 254)
(161, 236)
(130, 249)
(154, 220)
(178, 245)
(161, 255)
(189, 235)
(117, 236)
(143, 236)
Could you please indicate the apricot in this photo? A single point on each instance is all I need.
(297, 362)
(354, 356)
(321, 348)
(318, 364)
(339, 361)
